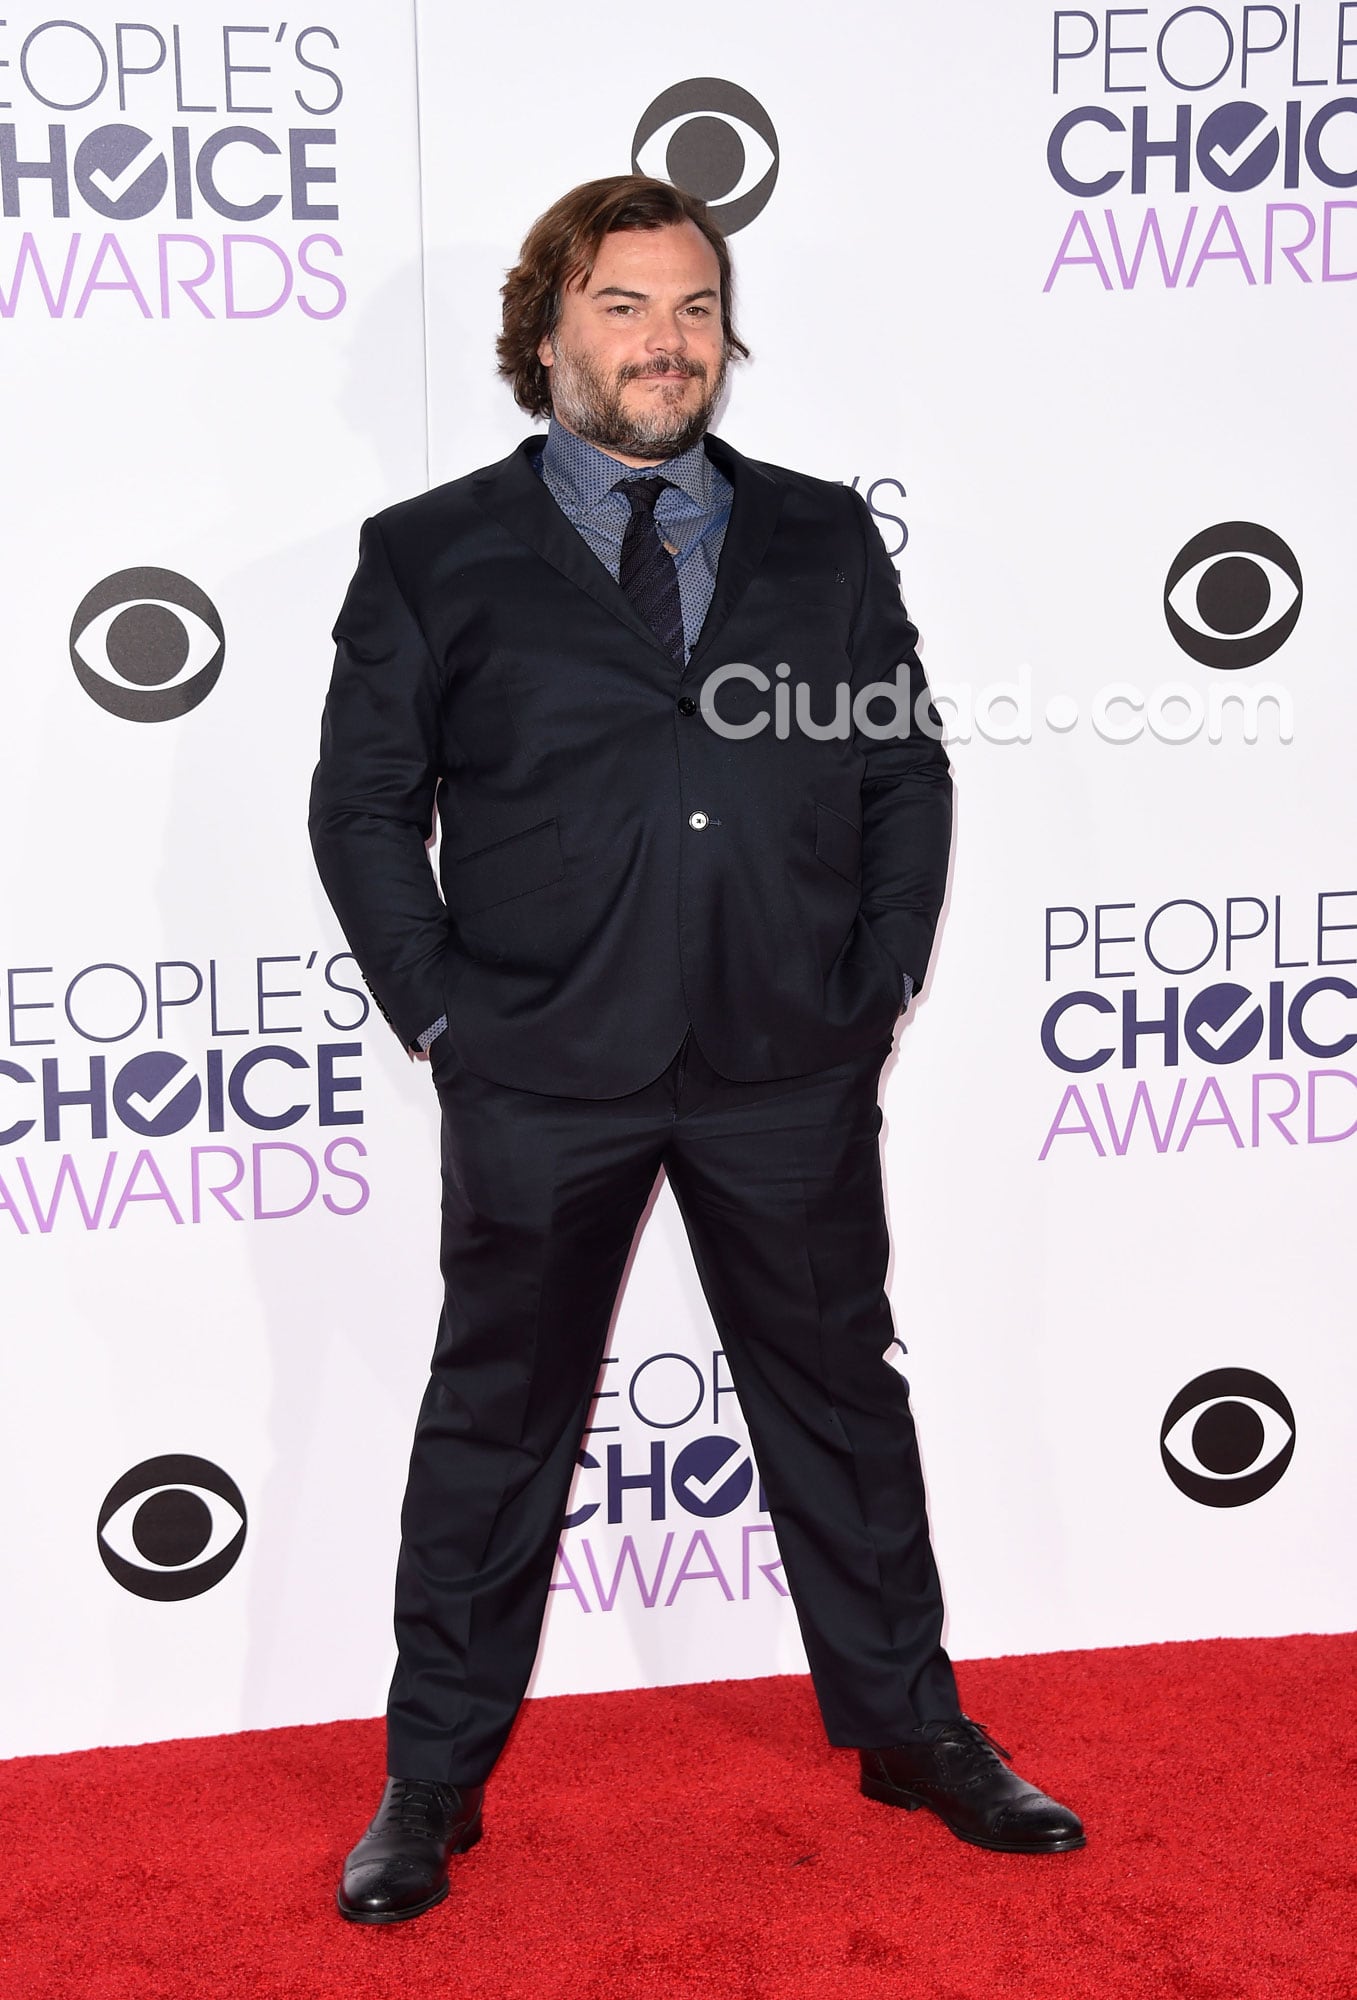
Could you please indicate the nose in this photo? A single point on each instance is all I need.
(667, 338)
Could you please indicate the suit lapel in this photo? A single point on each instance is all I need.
(518, 499)
(753, 516)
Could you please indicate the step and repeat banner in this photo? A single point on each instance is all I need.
(1068, 296)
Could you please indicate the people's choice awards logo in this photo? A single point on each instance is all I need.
(1232, 595)
(135, 137)
(171, 1528)
(713, 140)
(147, 645)
(1228, 1437)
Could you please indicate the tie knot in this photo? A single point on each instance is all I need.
(642, 493)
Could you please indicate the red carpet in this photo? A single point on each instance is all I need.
(701, 1843)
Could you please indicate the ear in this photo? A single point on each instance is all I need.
(545, 353)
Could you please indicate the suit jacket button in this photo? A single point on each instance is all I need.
(686, 705)
(697, 821)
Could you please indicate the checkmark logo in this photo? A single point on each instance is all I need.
(712, 1475)
(153, 1097)
(1227, 142)
(1224, 1023)
(113, 186)
(120, 173)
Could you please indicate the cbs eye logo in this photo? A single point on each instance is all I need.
(1232, 595)
(147, 645)
(1228, 1437)
(171, 1528)
(714, 141)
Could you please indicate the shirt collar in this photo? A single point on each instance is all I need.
(587, 475)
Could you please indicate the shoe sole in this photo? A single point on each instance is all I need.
(416, 1909)
(897, 1795)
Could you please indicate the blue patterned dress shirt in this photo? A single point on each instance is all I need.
(692, 513)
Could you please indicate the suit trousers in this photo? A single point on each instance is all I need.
(779, 1187)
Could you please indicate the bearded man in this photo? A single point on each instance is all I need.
(669, 937)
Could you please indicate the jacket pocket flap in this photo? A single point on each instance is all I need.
(838, 843)
(509, 867)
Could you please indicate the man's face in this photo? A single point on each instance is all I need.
(638, 360)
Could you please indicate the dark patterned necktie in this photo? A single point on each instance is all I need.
(647, 572)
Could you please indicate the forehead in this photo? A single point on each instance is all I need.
(674, 258)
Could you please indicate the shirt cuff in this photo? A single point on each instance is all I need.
(907, 991)
(431, 1034)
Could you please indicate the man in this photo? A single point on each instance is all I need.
(671, 935)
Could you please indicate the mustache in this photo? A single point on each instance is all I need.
(672, 364)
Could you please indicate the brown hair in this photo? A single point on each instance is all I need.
(559, 250)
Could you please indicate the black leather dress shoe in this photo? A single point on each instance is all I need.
(956, 1771)
(399, 1868)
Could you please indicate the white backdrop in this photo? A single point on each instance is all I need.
(1041, 425)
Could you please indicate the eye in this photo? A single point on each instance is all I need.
(1233, 595)
(147, 645)
(1221, 1439)
(715, 141)
(718, 159)
(171, 1528)
(1228, 1437)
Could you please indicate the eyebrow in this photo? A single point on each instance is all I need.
(620, 292)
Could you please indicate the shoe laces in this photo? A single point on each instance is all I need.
(974, 1737)
(420, 1804)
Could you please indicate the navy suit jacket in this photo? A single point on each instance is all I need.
(613, 868)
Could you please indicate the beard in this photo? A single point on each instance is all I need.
(589, 402)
